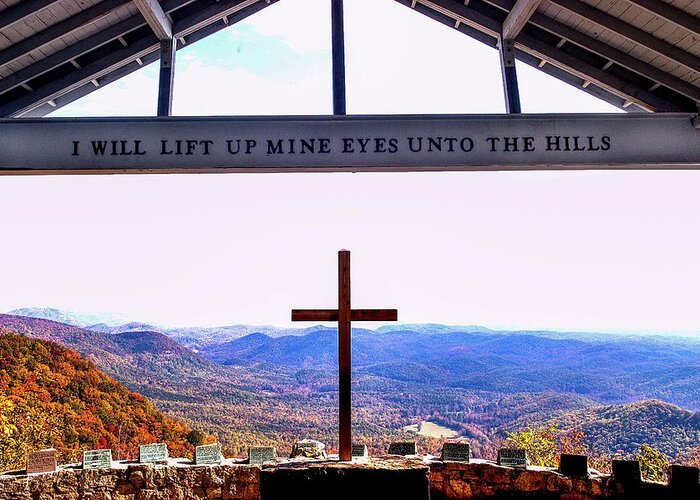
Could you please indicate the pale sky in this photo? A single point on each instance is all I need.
(597, 251)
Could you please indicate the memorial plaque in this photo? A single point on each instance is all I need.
(153, 453)
(455, 452)
(97, 459)
(573, 465)
(512, 457)
(207, 454)
(403, 448)
(359, 450)
(626, 471)
(42, 461)
(258, 455)
(308, 448)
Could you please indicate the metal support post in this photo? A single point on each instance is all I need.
(506, 51)
(338, 36)
(167, 75)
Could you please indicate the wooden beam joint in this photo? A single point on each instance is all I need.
(518, 17)
(156, 18)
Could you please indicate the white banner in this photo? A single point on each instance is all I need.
(352, 143)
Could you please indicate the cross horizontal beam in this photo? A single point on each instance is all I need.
(355, 315)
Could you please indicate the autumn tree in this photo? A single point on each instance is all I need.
(51, 397)
(539, 442)
(653, 463)
(544, 444)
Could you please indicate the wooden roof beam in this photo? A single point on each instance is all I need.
(58, 30)
(211, 14)
(602, 49)
(518, 17)
(631, 33)
(80, 48)
(542, 51)
(156, 18)
(145, 49)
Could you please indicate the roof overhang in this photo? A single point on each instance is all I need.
(640, 55)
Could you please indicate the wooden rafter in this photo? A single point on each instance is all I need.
(156, 18)
(518, 17)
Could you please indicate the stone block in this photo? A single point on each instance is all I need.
(683, 478)
(573, 465)
(626, 471)
(379, 480)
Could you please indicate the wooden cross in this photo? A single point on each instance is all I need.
(344, 315)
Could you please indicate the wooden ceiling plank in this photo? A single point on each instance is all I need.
(63, 56)
(79, 77)
(21, 10)
(672, 14)
(58, 30)
(631, 33)
(598, 76)
(599, 47)
(84, 46)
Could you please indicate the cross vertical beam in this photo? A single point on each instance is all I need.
(344, 315)
(338, 39)
(167, 75)
(344, 356)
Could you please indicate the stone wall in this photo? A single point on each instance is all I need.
(386, 477)
(482, 479)
(125, 481)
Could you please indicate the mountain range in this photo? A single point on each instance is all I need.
(613, 370)
(81, 319)
(263, 385)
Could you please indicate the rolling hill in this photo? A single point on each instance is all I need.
(626, 427)
(131, 356)
(50, 396)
